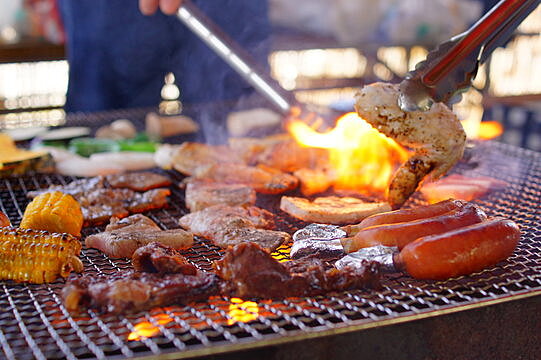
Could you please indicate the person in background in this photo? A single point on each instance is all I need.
(119, 51)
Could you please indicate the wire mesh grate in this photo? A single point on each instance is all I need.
(35, 324)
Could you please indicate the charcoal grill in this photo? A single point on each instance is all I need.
(493, 313)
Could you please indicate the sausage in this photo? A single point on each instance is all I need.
(397, 216)
(461, 251)
(400, 234)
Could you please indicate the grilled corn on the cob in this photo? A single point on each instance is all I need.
(55, 212)
(35, 256)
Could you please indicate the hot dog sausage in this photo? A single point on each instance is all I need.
(400, 234)
(461, 251)
(397, 216)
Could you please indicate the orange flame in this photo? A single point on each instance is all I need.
(489, 130)
(242, 311)
(148, 329)
(362, 158)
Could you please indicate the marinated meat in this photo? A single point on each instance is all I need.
(99, 201)
(227, 226)
(262, 179)
(101, 204)
(269, 240)
(148, 200)
(331, 209)
(134, 291)
(191, 158)
(201, 195)
(158, 258)
(206, 222)
(250, 272)
(74, 188)
(123, 241)
(137, 181)
(132, 223)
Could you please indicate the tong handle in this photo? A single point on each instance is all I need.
(234, 55)
(491, 30)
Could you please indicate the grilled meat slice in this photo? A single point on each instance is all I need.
(123, 241)
(134, 291)
(210, 220)
(148, 200)
(75, 188)
(100, 201)
(138, 181)
(101, 204)
(132, 223)
(201, 195)
(230, 225)
(269, 240)
(158, 258)
(331, 209)
(250, 272)
(191, 158)
(262, 179)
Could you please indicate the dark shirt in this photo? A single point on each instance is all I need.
(118, 57)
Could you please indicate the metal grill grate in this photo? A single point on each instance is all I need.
(35, 324)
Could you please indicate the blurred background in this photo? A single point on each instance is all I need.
(322, 50)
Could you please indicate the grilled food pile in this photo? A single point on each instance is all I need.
(222, 188)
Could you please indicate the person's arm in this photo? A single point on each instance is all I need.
(149, 7)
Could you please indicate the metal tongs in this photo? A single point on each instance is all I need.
(449, 69)
(235, 56)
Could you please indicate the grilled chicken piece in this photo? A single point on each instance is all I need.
(158, 258)
(201, 195)
(191, 158)
(125, 292)
(227, 225)
(331, 209)
(436, 136)
(123, 241)
(250, 272)
(138, 181)
(261, 178)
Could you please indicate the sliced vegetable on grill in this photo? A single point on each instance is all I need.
(36, 256)
(54, 211)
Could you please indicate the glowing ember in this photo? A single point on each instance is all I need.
(282, 253)
(148, 329)
(489, 130)
(242, 311)
(362, 159)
